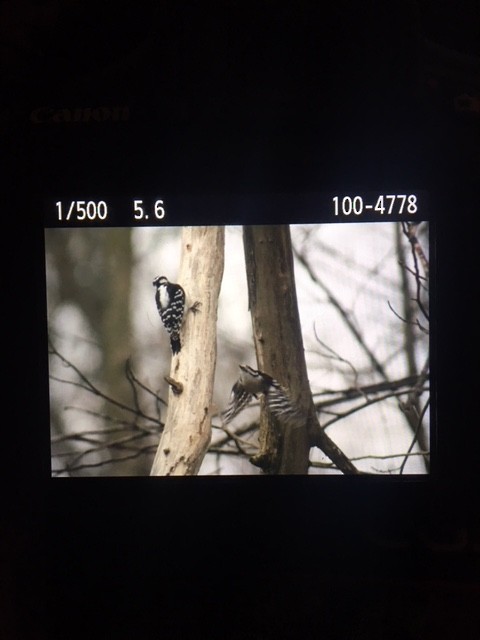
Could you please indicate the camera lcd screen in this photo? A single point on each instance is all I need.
(240, 347)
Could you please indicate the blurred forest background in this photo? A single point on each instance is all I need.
(362, 292)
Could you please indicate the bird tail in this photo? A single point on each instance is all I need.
(175, 343)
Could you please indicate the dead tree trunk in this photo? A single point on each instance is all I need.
(280, 353)
(187, 431)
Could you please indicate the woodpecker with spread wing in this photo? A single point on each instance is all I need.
(252, 383)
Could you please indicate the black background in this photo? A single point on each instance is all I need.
(233, 97)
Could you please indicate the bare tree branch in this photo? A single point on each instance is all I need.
(410, 230)
(89, 386)
(376, 364)
(415, 436)
(415, 322)
(132, 431)
(330, 465)
(367, 403)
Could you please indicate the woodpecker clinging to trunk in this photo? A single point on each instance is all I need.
(170, 299)
(252, 383)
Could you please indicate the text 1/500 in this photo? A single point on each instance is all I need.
(79, 210)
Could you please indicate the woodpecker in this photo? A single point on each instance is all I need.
(252, 383)
(170, 299)
(239, 398)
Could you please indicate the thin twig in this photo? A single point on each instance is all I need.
(330, 465)
(409, 229)
(415, 436)
(352, 393)
(417, 323)
(147, 449)
(131, 380)
(89, 386)
(335, 356)
(239, 442)
(146, 389)
(368, 403)
(377, 366)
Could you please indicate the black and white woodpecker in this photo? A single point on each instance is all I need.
(252, 383)
(170, 299)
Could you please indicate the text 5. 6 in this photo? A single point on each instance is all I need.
(142, 212)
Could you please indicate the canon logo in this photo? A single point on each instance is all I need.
(84, 115)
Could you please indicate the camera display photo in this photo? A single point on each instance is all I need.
(239, 349)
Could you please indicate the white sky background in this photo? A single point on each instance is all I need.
(358, 264)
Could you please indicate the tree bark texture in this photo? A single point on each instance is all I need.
(280, 352)
(186, 436)
(278, 341)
